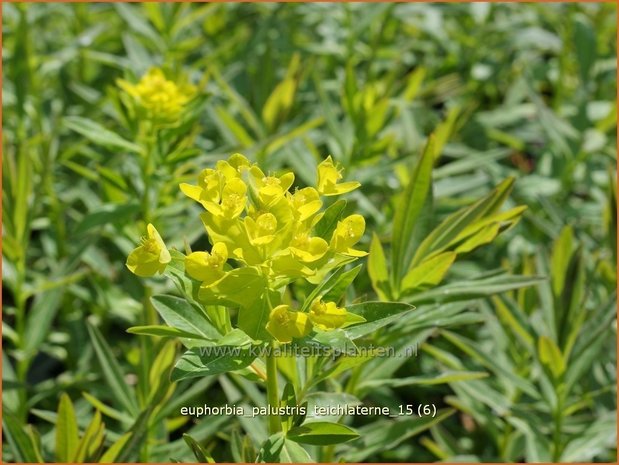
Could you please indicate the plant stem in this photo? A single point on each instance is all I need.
(327, 454)
(558, 425)
(272, 394)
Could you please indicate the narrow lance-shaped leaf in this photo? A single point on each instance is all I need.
(66, 430)
(455, 223)
(413, 200)
(377, 269)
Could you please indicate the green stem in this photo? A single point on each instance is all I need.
(558, 424)
(327, 454)
(272, 394)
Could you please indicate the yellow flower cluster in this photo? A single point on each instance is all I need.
(268, 229)
(258, 221)
(161, 98)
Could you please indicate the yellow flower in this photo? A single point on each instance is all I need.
(261, 231)
(207, 267)
(305, 202)
(306, 248)
(207, 190)
(327, 315)
(347, 233)
(329, 175)
(285, 324)
(162, 98)
(151, 256)
(271, 188)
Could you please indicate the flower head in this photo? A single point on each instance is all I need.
(207, 267)
(261, 231)
(163, 99)
(306, 202)
(347, 233)
(151, 256)
(329, 175)
(285, 324)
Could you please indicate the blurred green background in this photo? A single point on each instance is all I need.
(523, 90)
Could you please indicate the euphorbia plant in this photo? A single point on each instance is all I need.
(237, 311)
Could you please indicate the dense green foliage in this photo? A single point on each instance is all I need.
(500, 229)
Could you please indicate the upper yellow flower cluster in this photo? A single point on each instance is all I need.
(258, 221)
(161, 98)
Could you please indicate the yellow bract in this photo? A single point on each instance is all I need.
(162, 98)
(329, 175)
(346, 234)
(285, 324)
(151, 257)
(207, 267)
(327, 315)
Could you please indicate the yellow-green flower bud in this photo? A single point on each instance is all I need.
(151, 256)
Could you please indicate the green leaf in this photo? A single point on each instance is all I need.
(428, 273)
(91, 441)
(443, 378)
(201, 454)
(277, 142)
(180, 314)
(586, 46)
(413, 83)
(418, 192)
(473, 350)
(377, 269)
(241, 286)
(276, 449)
(513, 318)
(208, 361)
(444, 130)
(385, 434)
(482, 237)
(289, 399)
(40, 318)
(99, 135)
(561, 255)
(239, 133)
(66, 430)
(324, 287)
(466, 290)
(110, 455)
(328, 222)
(163, 331)
(321, 433)
(107, 214)
(253, 319)
(21, 445)
(550, 356)
(112, 372)
(457, 222)
(138, 432)
(279, 103)
(341, 285)
(377, 315)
